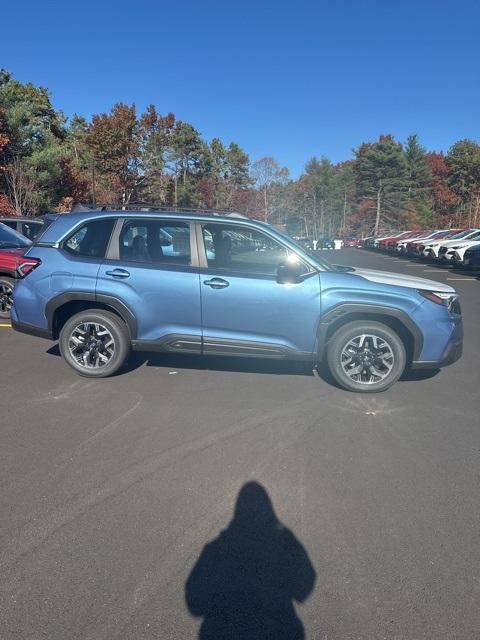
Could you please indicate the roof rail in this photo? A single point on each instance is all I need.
(82, 207)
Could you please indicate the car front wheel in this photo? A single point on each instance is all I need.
(95, 343)
(366, 357)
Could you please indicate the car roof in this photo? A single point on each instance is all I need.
(62, 224)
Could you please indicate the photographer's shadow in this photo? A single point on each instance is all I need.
(245, 581)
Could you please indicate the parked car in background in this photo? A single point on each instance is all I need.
(102, 284)
(351, 242)
(401, 245)
(12, 246)
(381, 243)
(459, 252)
(431, 247)
(412, 245)
(377, 242)
(419, 247)
(28, 227)
(325, 243)
(471, 257)
(448, 249)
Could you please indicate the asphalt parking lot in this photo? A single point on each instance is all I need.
(112, 488)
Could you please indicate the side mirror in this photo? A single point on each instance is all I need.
(291, 272)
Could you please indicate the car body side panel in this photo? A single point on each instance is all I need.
(165, 301)
(58, 272)
(260, 310)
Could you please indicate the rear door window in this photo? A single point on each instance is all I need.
(155, 242)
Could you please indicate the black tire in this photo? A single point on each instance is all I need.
(82, 358)
(389, 360)
(6, 289)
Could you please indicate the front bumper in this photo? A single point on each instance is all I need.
(452, 353)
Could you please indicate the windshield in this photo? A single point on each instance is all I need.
(11, 239)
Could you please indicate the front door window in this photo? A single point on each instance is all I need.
(242, 250)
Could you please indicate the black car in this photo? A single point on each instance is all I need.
(28, 227)
(471, 257)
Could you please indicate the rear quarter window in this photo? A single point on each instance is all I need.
(91, 239)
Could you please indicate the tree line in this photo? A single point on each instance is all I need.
(49, 163)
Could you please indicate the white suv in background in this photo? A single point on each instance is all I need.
(447, 249)
(432, 248)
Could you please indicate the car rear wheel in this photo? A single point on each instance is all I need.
(366, 357)
(95, 343)
(6, 296)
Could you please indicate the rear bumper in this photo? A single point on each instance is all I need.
(30, 329)
(452, 353)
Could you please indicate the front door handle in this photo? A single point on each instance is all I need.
(217, 283)
(118, 273)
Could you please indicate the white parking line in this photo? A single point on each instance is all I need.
(465, 279)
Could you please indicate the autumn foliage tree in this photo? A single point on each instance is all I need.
(120, 157)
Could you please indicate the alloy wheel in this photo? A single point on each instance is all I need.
(367, 359)
(91, 345)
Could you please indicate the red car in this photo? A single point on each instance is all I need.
(351, 242)
(12, 246)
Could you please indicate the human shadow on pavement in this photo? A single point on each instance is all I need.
(245, 581)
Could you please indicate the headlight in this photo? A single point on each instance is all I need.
(449, 300)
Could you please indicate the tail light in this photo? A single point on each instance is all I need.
(26, 265)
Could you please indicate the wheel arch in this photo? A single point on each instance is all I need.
(64, 306)
(396, 319)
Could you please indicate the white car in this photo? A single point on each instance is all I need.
(446, 251)
(432, 248)
(459, 251)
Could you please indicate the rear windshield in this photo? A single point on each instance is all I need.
(11, 239)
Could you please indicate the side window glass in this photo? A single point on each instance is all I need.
(155, 242)
(10, 223)
(31, 229)
(91, 240)
(242, 249)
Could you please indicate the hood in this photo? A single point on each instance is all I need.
(401, 280)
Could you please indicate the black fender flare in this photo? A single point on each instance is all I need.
(81, 296)
(344, 309)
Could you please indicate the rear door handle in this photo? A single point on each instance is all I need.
(217, 283)
(118, 273)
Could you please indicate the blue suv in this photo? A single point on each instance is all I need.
(102, 283)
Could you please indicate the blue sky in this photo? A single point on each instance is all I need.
(288, 79)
